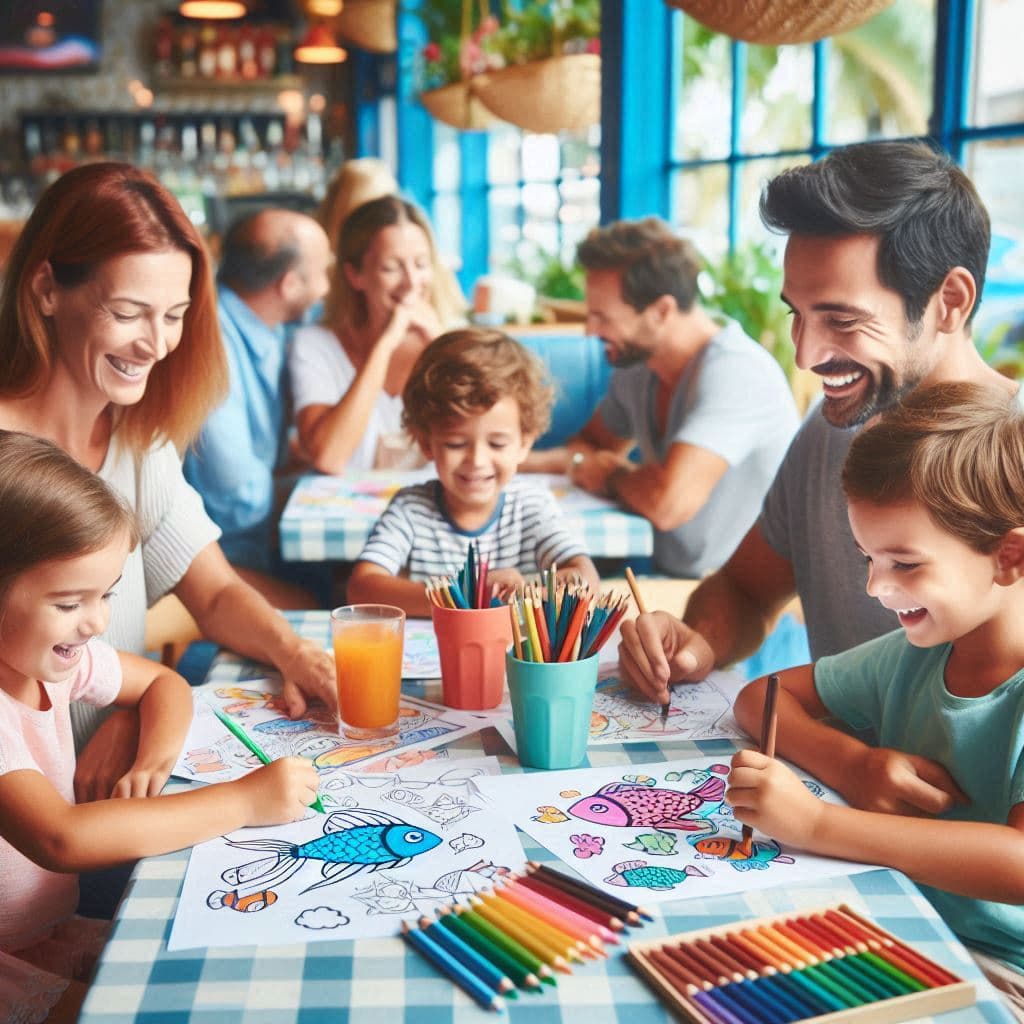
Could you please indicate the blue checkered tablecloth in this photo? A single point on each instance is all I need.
(379, 981)
(330, 517)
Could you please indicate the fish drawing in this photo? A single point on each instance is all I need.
(661, 844)
(638, 873)
(623, 805)
(757, 858)
(243, 904)
(353, 841)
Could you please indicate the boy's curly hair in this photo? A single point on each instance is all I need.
(466, 371)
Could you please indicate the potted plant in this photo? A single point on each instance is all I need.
(551, 79)
(455, 54)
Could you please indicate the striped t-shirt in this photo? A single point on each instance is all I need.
(415, 538)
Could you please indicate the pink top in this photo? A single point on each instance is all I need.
(33, 900)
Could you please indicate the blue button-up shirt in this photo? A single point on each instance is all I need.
(232, 464)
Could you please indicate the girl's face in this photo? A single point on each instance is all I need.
(397, 268)
(112, 330)
(940, 589)
(52, 610)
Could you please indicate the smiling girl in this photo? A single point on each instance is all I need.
(934, 491)
(64, 538)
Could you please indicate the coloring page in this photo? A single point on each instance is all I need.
(357, 493)
(420, 657)
(699, 711)
(649, 833)
(212, 754)
(394, 846)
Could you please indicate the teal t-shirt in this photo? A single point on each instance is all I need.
(899, 691)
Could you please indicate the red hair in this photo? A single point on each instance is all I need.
(88, 216)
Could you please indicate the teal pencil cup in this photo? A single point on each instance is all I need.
(551, 704)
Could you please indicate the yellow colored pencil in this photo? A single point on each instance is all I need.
(517, 638)
(523, 936)
(531, 628)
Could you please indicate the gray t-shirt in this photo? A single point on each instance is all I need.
(174, 527)
(733, 400)
(804, 520)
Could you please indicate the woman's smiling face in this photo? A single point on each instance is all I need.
(113, 329)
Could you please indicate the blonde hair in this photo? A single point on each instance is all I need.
(357, 182)
(360, 228)
(957, 449)
(52, 507)
(465, 372)
(88, 216)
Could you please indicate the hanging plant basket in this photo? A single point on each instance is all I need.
(369, 24)
(457, 104)
(552, 95)
(776, 22)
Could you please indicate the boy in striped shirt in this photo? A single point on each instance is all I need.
(475, 402)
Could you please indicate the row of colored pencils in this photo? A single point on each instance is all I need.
(465, 589)
(562, 622)
(520, 933)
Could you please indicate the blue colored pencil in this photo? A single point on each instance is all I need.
(423, 943)
(457, 594)
(487, 972)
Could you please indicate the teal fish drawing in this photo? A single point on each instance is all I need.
(353, 841)
(640, 780)
(661, 844)
(640, 874)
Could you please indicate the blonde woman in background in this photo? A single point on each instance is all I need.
(388, 299)
(357, 182)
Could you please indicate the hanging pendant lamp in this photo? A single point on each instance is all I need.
(318, 46)
(212, 10)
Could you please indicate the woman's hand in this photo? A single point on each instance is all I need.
(308, 672)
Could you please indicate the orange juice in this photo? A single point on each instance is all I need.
(368, 662)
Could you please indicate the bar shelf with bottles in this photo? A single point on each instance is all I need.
(201, 156)
(190, 56)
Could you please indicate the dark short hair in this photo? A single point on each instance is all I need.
(924, 210)
(955, 448)
(654, 261)
(467, 371)
(247, 263)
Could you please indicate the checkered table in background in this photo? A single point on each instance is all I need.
(329, 518)
(379, 981)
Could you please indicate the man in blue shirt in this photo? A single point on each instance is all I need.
(274, 268)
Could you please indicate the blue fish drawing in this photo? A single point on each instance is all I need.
(638, 873)
(284, 726)
(353, 841)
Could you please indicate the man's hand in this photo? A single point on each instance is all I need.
(658, 649)
(591, 472)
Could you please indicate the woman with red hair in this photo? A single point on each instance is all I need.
(109, 346)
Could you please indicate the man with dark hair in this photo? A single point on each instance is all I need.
(884, 268)
(710, 409)
(274, 267)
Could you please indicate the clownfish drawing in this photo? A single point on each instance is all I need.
(243, 904)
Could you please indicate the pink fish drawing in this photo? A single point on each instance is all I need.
(623, 805)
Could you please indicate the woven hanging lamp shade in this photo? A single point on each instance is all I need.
(369, 24)
(776, 22)
(457, 105)
(551, 95)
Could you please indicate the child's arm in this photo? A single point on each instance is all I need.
(372, 584)
(164, 701)
(37, 821)
(872, 778)
(582, 566)
(975, 859)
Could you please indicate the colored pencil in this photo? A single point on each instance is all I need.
(514, 948)
(767, 745)
(574, 902)
(517, 638)
(469, 958)
(563, 942)
(503, 961)
(499, 917)
(620, 907)
(576, 924)
(448, 965)
(251, 745)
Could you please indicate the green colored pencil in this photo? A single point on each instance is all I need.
(251, 745)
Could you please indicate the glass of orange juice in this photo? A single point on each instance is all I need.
(368, 662)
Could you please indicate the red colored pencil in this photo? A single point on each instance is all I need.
(579, 906)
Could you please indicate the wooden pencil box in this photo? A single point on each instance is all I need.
(683, 971)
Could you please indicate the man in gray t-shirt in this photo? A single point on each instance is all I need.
(709, 409)
(884, 267)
